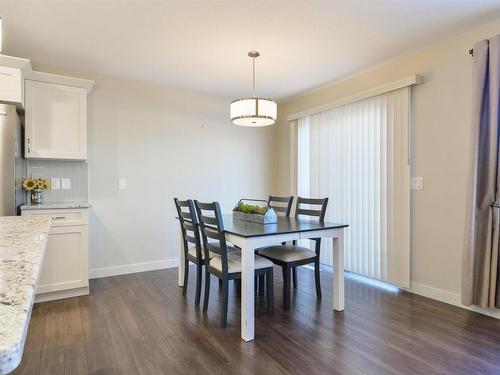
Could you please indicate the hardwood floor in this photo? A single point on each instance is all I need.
(141, 324)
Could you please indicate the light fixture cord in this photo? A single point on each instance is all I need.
(253, 64)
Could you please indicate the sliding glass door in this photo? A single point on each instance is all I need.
(357, 155)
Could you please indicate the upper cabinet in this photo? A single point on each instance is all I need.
(55, 121)
(55, 109)
(12, 72)
(11, 85)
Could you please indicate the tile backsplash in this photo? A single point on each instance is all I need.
(77, 171)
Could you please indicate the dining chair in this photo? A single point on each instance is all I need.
(192, 243)
(290, 256)
(283, 206)
(224, 264)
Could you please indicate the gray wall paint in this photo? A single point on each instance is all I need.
(167, 143)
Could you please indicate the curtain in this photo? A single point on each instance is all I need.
(357, 155)
(480, 279)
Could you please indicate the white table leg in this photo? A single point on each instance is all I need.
(338, 271)
(181, 262)
(247, 290)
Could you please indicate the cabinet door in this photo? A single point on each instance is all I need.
(65, 265)
(56, 121)
(11, 85)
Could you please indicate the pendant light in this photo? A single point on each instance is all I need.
(253, 111)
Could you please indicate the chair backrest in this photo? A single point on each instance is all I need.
(318, 211)
(282, 205)
(189, 225)
(212, 227)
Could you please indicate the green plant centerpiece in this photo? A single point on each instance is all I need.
(251, 209)
(255, 210)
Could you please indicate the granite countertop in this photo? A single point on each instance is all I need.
(53, 206)
(22, 246)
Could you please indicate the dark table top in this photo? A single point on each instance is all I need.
(284, 225)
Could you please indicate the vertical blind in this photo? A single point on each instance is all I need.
(357, 155)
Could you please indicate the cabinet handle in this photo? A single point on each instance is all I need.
(29, 146)
(58, 217)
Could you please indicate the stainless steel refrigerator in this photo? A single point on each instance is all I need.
(12, 164)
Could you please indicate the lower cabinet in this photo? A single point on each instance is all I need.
(64, 270)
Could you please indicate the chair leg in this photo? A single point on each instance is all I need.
(220, 283)
(261, 284)
(186, 277)
(286, 287)
(317, 278)
(294, 273)
(225, 298)
(207, 290)
(270, 291)
(237, 284)
(199, 269)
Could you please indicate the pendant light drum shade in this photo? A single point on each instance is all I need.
(253, 112)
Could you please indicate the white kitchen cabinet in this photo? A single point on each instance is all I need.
(55, 121)
(64, 271)
(11, 85)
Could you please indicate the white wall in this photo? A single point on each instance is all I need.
(167, 143)
(441, 132)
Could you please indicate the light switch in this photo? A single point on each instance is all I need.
(417, 183)
(65, 183)
(122, 183)
(55, 183)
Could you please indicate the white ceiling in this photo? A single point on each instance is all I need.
(203, 45)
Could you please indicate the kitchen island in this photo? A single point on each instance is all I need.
(23, 242)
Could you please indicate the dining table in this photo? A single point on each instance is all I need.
(250, 236)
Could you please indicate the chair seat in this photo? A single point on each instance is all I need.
(192, 251)
(287, 253)
(234, 262)
(230, 249)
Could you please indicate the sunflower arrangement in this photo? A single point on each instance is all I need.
(30, 184)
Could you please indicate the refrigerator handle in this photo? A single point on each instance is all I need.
(29, 146)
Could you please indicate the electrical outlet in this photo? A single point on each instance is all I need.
(417, 183)
(65, 183)
(55, 183)
(122, 183)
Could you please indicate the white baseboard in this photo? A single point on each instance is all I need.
(61, 294)
(449, 297)
(124, 269)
